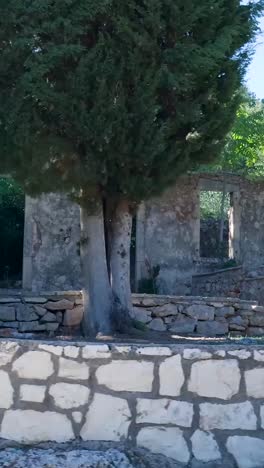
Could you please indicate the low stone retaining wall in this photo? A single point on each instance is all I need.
(48, 312)
(197, 404)
(58, 313)
(208, 316)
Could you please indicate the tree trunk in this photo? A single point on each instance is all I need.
(120, 239)
(97, 294)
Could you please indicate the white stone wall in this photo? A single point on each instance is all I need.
(194, 404)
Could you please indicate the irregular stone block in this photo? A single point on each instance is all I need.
(34, 393)
(157, 324)
(9, 300)
(183, 326)
(200, 312)
(35, 300)
(53, 349)
(29, 427)
(205, 447)
(164, 411)
(48, 317)
(141, 315)
(254, 379)
(34, 365)
(224, 312)
(168, 441)
(31, 327)
(215, 379)
(229, 416)
(247, 451)
(73, 317)
(171, 376)
(7, 352)
(108, 419)
(73, 370)
(257, 320)
(6, 391)
(68, 396)
(165, 310)
(238, 321)
(196, 354)
(25, 314)
(63, 304)
(240, 353)
(259, 355)
(262, 416)
(71, 351)
(254, 331)
(7, 313)
(40, 310)
(212, 328)
(9, 324)
(130, 376)
(52, 326)
(154, 351)
(77, 416)
(95, 351)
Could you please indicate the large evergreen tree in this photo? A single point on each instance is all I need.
(110, 101)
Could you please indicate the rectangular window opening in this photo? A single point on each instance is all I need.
(215, 225)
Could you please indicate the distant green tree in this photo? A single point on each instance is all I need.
(110, 101)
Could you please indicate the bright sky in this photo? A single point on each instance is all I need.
(255, 78)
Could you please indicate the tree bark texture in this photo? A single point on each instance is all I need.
(97, 293)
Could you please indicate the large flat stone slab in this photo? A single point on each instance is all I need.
(130, 376)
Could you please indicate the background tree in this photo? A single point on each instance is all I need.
(111, 101)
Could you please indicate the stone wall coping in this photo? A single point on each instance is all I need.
(257, 278)
(194, 298)
(217, 272)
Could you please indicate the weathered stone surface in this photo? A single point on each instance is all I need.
(200, 312)
(6, 390)
(25, 313)
(157, 324)
(95, 351)
(52, 326)
(71, 351)
(63, 304)
(108, 418)
(224, 312)
(257, 320)
(262, 416)
(73, 317)
(255, 331)
(34, 365)
(35, 300)
(34, 393)
(221, 353)
(255, 383)
(168, 441)
(7, 313)
(154, 351)
(259, 355)
(131, 376)
(40, 310)
(215, 379)
(73, 370)
(212, 328)
(196, 353)
(183, 326)
(9, 324)
(164, 411)
(240, 353)
(48, 317)
(68, 396)
(247, 451)
(31, 327)
(230, 416)
(205, 447)
(171, 376)
(77, 416)
(141, 314)
(165, 310)
(27, 426)
(238, 323)
(53, 349)
(7, 352)
(9, 300)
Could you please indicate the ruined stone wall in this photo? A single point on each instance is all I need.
(193, 404)
(51, 245)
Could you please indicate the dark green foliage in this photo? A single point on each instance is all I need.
(117, 96)
(12, 203)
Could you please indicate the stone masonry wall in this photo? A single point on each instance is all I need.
(61, 313)
(194, 404)
(224, 282)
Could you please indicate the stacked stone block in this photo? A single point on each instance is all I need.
(195, 405)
